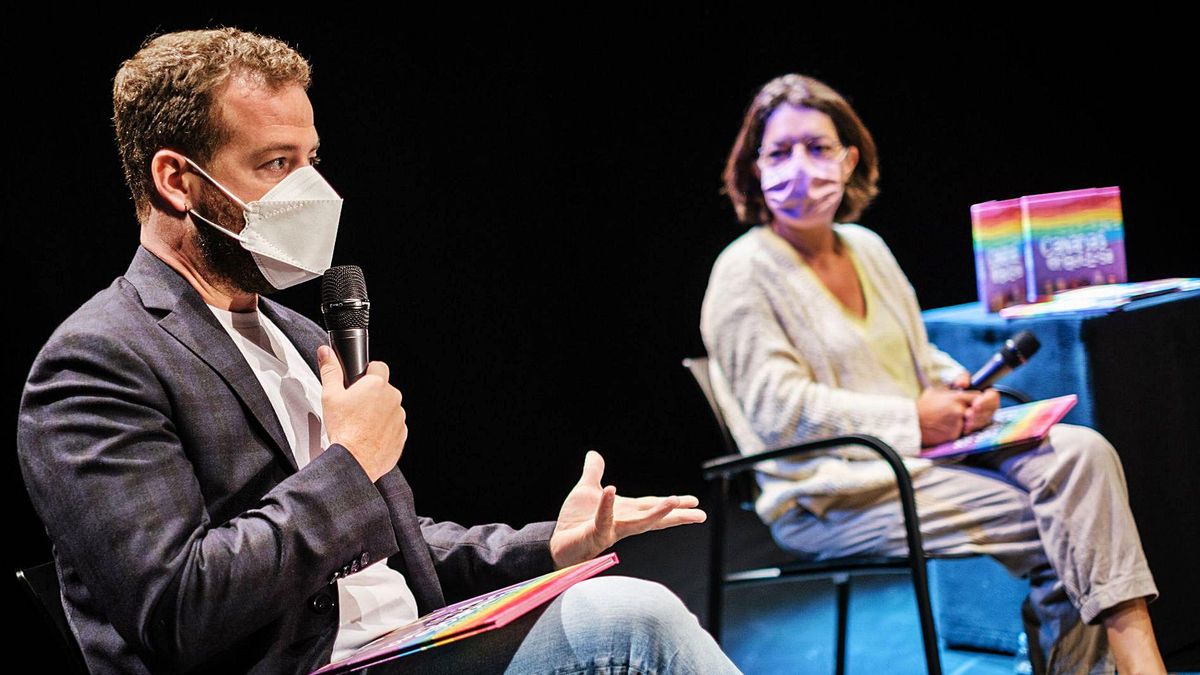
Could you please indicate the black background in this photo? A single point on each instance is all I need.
(535, 199)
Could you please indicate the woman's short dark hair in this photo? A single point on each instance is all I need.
(741, 181)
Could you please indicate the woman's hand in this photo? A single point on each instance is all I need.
(980, 412)
(942, 414)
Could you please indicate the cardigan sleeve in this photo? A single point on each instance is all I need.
(770, 379)
(942, 368)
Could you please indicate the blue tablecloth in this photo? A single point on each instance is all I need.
(1134, 371)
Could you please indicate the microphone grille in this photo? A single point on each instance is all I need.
(344, 282)
(344, 301)
(1026, 343)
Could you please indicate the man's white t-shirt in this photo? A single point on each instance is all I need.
(372, 601)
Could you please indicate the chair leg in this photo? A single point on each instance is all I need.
(716, 557)
(841, 584)
(916, 563)
(925, 610)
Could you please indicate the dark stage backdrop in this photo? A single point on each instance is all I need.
(537, 209)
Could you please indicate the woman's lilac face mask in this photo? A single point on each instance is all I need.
(801, 166)
(797, 192)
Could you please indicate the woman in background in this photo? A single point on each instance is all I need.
(813, 330)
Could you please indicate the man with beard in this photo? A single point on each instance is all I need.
(217, 499)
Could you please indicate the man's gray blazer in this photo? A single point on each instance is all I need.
(184, 537)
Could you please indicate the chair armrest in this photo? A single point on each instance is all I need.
(724, 467)
(731, 465)
(1013, 393)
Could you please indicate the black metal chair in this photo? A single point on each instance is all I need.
(737, 469)
(41, 582)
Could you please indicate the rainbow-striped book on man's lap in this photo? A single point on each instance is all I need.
(469, 617)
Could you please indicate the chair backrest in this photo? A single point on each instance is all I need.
(743, 488)
(41, 582)
(698, 367)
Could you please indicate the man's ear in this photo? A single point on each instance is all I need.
(170, 172)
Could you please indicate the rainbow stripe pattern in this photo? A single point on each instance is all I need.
(1075, 238)
(469, 617)
(999, 253)
(1013, 426)
(1028, 248)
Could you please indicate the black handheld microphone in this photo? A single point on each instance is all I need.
(347, 311)
(1016, 350)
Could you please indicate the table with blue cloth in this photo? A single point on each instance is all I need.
(1134, 370)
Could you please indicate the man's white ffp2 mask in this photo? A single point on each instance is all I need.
(291, 230)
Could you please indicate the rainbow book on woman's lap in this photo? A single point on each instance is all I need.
(1011, 427)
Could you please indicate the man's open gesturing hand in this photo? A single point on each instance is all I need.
(593, 517)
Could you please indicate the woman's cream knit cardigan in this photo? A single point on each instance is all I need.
(788, 366)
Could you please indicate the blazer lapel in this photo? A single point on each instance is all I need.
(414, 561)
(302, 335)
(417, 565)
(190, 321)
